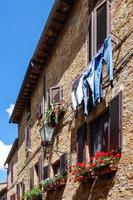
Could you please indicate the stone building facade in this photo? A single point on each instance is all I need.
(3, 191)
(70, 39)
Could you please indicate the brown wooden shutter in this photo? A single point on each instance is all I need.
(116, 122)
(18, 191)
(81, 142)
(23, 189)
(40, 168)
(63, 163)
(31, 177)
(101, 24)
(27, 136)
(90, 41)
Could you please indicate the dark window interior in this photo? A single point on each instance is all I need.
(56, 167)
(100, 134)
(81, 143)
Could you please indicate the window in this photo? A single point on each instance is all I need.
(56, 167)
(106, 130)
(81, 143)
(60, 166)
(27, 136)
(98, 28)
(55, 95)
(100, 134)
(45, 172)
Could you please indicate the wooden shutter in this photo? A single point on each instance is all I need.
(23, 189)
(18, 191)
(90, 39)
(56, 94)
(40, 110)
(63, 163)
(116, 122)
(27, 136)
(31, 177)
(101, 24)
(40, 168)
(81, 142)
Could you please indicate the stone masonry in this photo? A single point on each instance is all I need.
(66, 62)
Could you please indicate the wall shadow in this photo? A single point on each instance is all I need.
(96, 189)
(56, 194)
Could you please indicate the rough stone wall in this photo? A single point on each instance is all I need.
(11, 186)
(68, 59)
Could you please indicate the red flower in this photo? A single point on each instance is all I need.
(118, 155)
(101, 161)
(93, 165)
(82, 165)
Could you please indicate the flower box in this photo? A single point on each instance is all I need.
(103, 163)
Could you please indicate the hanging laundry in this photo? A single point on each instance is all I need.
(103, 57)
(77, 92)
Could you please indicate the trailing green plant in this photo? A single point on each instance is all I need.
(59, 179)
(53, 112)
(47, 184)
(34, 194)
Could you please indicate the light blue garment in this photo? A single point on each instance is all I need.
(104, 56)
(93, 74)
(88, 82)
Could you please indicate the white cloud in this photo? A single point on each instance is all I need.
(10, 109)
(4, 150)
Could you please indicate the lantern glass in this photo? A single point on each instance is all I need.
(46, 133)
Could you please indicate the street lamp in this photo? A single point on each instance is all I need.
(46, 133)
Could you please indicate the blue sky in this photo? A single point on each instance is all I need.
(21, 24)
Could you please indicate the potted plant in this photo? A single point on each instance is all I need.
(48, 184)
(60, 180)
(104, 162)
(53, 113)
(34, 194)
(81, 172)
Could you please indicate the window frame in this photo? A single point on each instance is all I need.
(61, 94)
(93, 21)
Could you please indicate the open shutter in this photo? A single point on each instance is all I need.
(18, 191)
(90, 39)
(101, 24)
(40, 110)
(56, 94)
(81, 143)
(31, 177)
(63, 163)
(27, 136)
(116, 122)
(40, 168)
